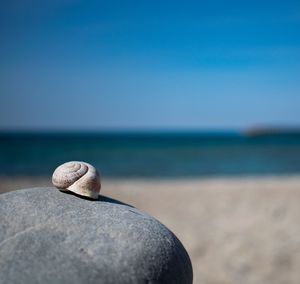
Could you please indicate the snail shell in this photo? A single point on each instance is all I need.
(78, 177)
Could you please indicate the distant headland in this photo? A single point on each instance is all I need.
(270, 131)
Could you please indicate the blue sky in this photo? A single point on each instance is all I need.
(94, 65)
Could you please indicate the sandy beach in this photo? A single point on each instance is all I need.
(236, 230)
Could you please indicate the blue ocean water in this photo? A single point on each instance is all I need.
(151, 154)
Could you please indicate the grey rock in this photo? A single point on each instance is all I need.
(47, 236)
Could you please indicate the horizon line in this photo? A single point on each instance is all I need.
(253, 130)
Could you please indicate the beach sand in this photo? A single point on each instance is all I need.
(236, 230)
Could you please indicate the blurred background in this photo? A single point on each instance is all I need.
(144, 88)
(197, 102)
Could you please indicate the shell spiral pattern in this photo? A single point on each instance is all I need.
(78, 177)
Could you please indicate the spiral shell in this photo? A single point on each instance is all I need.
(78, 177)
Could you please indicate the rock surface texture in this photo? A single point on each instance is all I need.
(47, 236)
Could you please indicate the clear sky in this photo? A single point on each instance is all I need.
(93, 65)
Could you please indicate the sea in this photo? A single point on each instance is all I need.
(151, 154)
